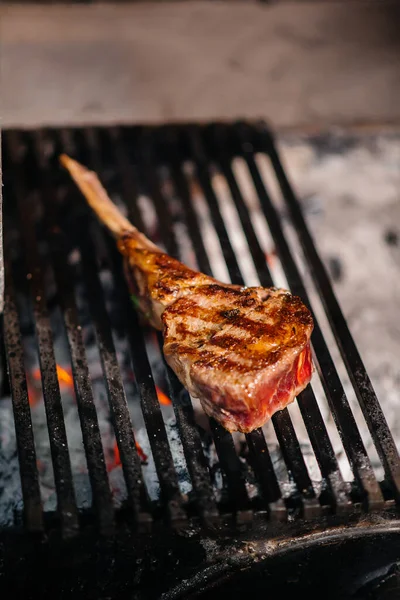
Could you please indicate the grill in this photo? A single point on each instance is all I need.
(204, 508)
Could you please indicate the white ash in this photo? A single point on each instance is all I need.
(10, 484)
(349, 188)
(149, 469)
(210, 238)
(10, 494)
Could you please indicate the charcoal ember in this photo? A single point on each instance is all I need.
(154, 357)
(356, 184)
(355, 234)
(112, 301)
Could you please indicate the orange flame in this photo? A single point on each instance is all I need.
(162, 398)
(34, 394)
(64, 376)
(142, 455)
(117, 457)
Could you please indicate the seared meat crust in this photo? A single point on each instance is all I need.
(243, 352)
(232, 349)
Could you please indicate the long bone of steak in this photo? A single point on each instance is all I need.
(244, 352)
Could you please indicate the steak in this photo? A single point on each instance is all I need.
(244, 352)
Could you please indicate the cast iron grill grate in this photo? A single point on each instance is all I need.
(170, 180)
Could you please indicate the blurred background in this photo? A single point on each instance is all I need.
(295, 63)
(325, 75)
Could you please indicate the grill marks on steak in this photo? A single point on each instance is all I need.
(236, 349)
(156, 278)
(243, 352)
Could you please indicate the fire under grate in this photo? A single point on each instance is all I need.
(97, 435)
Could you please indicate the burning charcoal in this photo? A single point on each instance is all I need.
(188, 214)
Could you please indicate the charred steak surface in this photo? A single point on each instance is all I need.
(243, 352)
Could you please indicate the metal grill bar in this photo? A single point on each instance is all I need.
(340, 407)
(223, 440)
(306, 400)
(264, 470)
(198, 156)
(232, 468)
(115, 389)
(124, 171)
(33, 515)
(373, 414)
(150, 406)
(144, 142)
(194, 454)
(51, 390)
(281, 422)
(263, 464)
(102, 499)
(256, 440)
(170, 155)
(113, 381)
(132, 161)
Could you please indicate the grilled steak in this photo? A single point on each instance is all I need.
(243, 352)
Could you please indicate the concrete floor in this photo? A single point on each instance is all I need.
(292, 63)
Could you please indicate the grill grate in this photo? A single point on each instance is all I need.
(46, 221)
